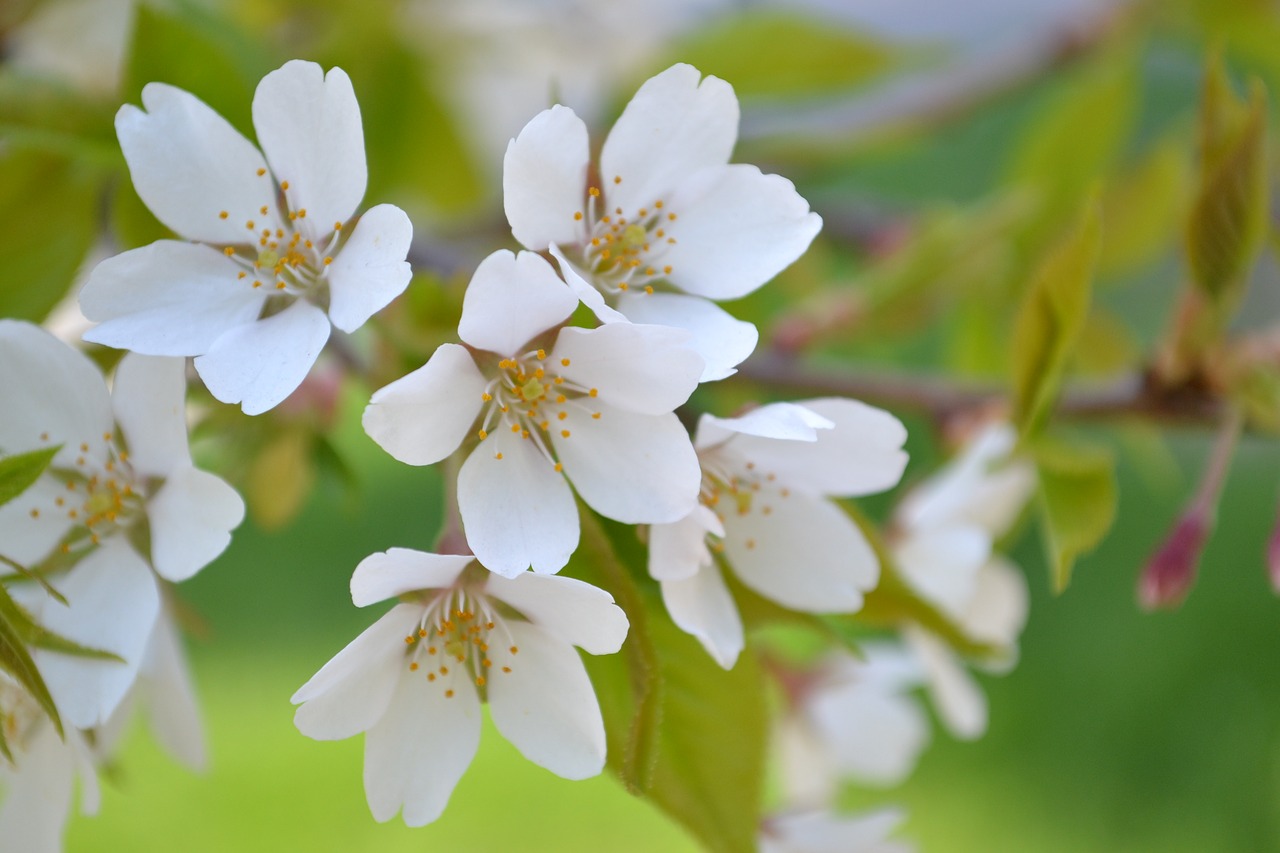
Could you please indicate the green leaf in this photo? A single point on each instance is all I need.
(49, 206)
(20, 471)
(1077, 502)
(1144, 208)
(49, 116)
(682, 732)
(16, 660)
(1228, 217)
(774, 53)
(1051, 318)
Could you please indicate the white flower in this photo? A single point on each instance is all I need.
(36, 791)
(945, 532)
(415, 679)
(671, 213)
(767, 478)
(275, 259)
(827, 832)
(96, 495)
(592, 405)
(163, 692)
(853, 720)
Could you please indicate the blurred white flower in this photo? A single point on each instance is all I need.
(595, 406)
(124, 466)
(853, 720)
(946, 529)
(767, 478)
(828, 832)
(274, 259)
(414, 680)
(669, 212)
(36, 790)
(82, 42)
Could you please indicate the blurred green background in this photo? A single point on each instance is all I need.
(1118, 731)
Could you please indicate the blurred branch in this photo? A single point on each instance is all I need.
(1135, 396)
(937, 95)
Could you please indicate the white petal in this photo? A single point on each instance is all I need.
(517, 511)
(260, 364)
(546, 705)
(511, 300)
(420, 748)
(167, 694)
(371, 269)
(983, 485)
(566, 608)
(804, 764)
(37, 794)
(997, 611)
(702, 606)
(168, 298)
(399, 570)
(737, 229)
(544, 179)
(942, 565)
(422, 417)
(576, 278)
(872, 732)
(192, 517)
(645, 369)
(112, 604)
(959, 700)
(723, 341)
(189, 165)
(149, 395)
(676, 125)
(861, 455)
(351, 692)
(825, 832)
(29, 540)
(49, 389)
(784, 421)
(804, 553)
(308, 123)
(678, 550)
(637, 469)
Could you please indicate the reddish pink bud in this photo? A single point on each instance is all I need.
(1169, 575)
(1273, 557)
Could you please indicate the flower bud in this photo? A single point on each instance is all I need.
(1171, 572)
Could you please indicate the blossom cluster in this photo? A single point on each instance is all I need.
(575, 355)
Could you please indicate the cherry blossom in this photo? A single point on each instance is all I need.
(670, 224)
(271, 255)
(414, 681)
(532, 406)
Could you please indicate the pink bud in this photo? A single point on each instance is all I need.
(1171, 572)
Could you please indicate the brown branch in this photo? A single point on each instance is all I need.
(1134, 396)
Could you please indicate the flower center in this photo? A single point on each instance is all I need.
(530, 397)
(101, 494)
(453, 641)
(284, 253)
(624, 249)
(742, 490)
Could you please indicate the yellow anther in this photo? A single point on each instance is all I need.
(564, 362)
(229, 251)
(280, 285)
(524, 433)
(594, 392)
(564, 433)
(514, 650)
(35, 513)
(302, 214)
(328, 261)
(751, 543)
(577, 217)
(413, 667)
(559, 467)
(644, 212)
(542, 354)
(431, 676)
(617, 179)
(515, 427)
(648, 288)
(242, 274)
(671, 217)
(479, 681)
(261, 172)
(483, 434)
(658, 204)
(448, 694)
(408, 640)
(594, 192)
(284, 185)
(257, 284)
(559, 380)
(263, 210)
(223, 215)
(497, 456)
(595, 416)
(250, 225)
(624, 286)
(337, 226)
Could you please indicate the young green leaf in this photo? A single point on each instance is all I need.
(1077, 502)
(20, 471)
(1229, 213)
(1051, 318)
